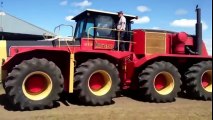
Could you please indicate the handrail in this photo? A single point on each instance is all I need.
(119, 41)
(63, 25)
(113, 40)
(59, 28)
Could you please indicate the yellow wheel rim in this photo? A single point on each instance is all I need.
(100, 83)
(206, 80)
(164, 83)
(37, 85)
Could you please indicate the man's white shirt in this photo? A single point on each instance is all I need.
(122, 23)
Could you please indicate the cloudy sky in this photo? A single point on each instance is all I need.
(175, 15)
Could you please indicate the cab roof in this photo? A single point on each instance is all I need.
(93, 11)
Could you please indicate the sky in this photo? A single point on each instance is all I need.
(174, 15)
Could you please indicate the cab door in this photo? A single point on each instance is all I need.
(104, 34)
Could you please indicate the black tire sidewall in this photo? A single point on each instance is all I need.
(57, 87)
(199, 81)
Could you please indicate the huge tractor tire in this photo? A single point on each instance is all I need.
(96, 82)
(34, 84)
(160, 82)
(199, 81)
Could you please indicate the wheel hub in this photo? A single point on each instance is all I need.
(97, 82)
(164, 83)
(37, 85)
(100, 83)
(206, 80)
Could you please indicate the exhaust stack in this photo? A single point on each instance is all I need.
(198, 39)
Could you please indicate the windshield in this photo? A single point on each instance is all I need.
(104, 22)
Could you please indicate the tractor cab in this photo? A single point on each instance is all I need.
(99, 27)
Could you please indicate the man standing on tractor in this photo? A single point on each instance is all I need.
(121, 27)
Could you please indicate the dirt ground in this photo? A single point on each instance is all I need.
(124, 108)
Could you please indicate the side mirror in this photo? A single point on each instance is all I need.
(136, 18)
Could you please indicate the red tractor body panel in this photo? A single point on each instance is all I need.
(128, 60)
(139, 38)
(147, 58)
(174, 47)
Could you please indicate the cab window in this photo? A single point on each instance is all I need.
(89, 28)
(79, 29)
(105, 22)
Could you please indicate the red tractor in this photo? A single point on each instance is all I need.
(157, 63)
